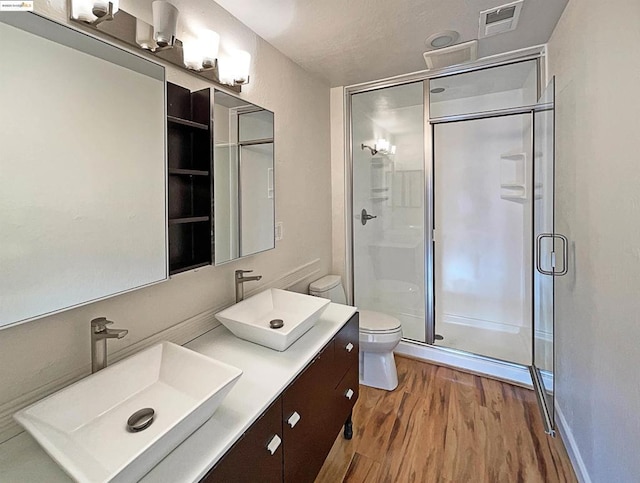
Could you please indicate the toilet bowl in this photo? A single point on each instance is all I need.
(379, 335)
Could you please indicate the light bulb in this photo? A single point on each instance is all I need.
(209, 44)
(241, 64)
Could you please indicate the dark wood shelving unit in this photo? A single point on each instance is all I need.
(189, 133)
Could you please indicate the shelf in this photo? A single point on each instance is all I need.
(379, 198)
(189, 267)
(189, 172)
(188, 219)
(379, 190)
(513, 186)
(187, 123)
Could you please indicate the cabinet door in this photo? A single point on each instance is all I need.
(257, 456)
(347, 347)
(309, 423)
(346, 394)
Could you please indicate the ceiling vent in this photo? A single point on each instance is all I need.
(454, 55)
(499, 20)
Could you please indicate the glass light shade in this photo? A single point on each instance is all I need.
(392, 150)
(82, 10)
(209, 43)
(382, 145)
(241, 64)
(192, 54)
(165, 22)
(225, 70)
(144, 35)
(101, 7)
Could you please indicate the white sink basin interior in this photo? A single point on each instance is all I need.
(251, 318)
(84, 426)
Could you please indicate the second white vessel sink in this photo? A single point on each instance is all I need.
(256, 318)
(84, 427)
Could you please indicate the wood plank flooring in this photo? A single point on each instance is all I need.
(443, 425)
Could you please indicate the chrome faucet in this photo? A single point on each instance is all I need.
(240, 279)
(99, 336)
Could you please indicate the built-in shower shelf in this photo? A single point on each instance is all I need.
(379, 198)
(379, 190)
(514, 177)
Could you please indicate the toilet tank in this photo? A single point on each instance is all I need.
(329, 287)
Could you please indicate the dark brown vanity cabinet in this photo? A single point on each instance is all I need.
(190, 182)
(257, 456)
(307, 417)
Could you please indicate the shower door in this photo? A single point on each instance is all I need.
(550, 251)
(387, 132)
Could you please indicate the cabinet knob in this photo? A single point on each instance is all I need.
(349, 347)
(293, 419)
(274, 444)
(349, 394)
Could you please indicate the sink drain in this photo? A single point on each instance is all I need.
(276, 323)
(140, 420)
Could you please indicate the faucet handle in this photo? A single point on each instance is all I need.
(239, 273)
(100, 323)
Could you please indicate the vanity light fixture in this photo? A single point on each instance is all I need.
(94, 12)
(165, 23)
(241, 60)
(199, 54)
(192, 54)
(210, 43)
(144, 35)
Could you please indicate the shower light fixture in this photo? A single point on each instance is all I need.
(442, 39)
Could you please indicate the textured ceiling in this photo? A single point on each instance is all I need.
(352, 41)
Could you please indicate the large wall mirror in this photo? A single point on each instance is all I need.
(82, 169)
(244, 189)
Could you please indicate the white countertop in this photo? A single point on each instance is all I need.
(265, 374)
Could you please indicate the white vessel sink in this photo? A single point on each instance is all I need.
(250, 319)
(84, 426)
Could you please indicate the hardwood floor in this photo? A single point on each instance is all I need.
(443, 425)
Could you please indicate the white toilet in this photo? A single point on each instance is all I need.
(379, 335)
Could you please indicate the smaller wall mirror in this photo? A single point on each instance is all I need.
(244, 190)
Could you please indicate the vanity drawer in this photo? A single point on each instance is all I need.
(347, 347)
(251, 458)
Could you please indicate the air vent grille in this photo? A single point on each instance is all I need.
(499, 20)
(454, 55)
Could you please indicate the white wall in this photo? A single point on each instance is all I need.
(594, 55)
(47, 350)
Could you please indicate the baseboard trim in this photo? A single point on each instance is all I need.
(181, 333)
(503, 371)
(571, 446)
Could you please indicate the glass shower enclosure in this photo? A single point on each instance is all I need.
(452, 226)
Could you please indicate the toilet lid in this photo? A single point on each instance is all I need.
(377, 322)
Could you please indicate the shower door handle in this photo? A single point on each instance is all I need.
(364, 217)
(565, 254)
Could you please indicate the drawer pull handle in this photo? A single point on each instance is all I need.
(274, 444)
(349, 347)
(349, 394)
(293, 419)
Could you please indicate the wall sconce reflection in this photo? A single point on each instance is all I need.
(381, 146)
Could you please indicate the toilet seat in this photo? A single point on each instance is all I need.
(378, 323)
